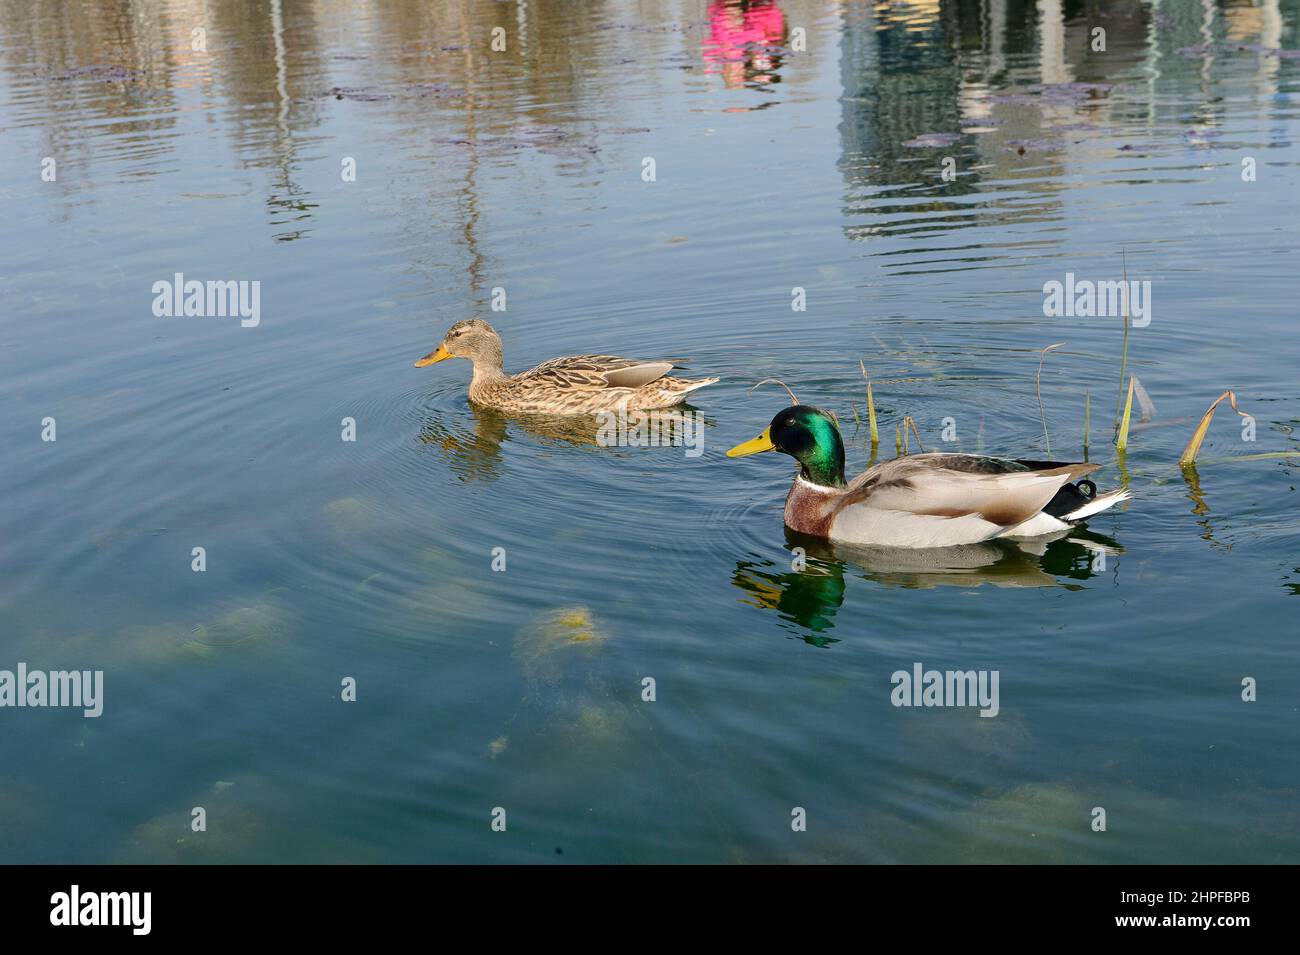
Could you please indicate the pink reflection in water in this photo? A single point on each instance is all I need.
(746, 39)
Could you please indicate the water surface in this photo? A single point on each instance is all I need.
(795, 145)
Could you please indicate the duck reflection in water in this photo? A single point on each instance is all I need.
(476, 455)
(810, 598)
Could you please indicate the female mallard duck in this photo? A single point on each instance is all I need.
(581, 384)
(921, 500)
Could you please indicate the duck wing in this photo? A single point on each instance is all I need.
(598, 371)
(998, 491)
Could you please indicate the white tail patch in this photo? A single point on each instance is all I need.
(1038, 525)
(1098, 504)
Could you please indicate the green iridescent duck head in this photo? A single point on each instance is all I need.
(807, 434)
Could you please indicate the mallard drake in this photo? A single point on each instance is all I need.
(579, 384)
(921, 500)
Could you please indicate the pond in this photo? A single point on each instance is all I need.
(618, 654)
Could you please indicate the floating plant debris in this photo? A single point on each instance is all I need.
(550, 139)
(365, 94)
(1070, 90)
(358, 95)
(108, 73)
(433, 89)
(1015, 99)
(1075, 94)
(930, 140)
(1023, 146)
(647, 28)
(1212, 49)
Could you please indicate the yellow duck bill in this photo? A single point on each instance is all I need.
(438, 354)
(762, 443)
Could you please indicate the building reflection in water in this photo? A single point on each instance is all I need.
(1009, 88)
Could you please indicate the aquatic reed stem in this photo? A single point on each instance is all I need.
(1121, 441)
(1194, 446)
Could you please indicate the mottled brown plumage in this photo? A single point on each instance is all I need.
(579, 384)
